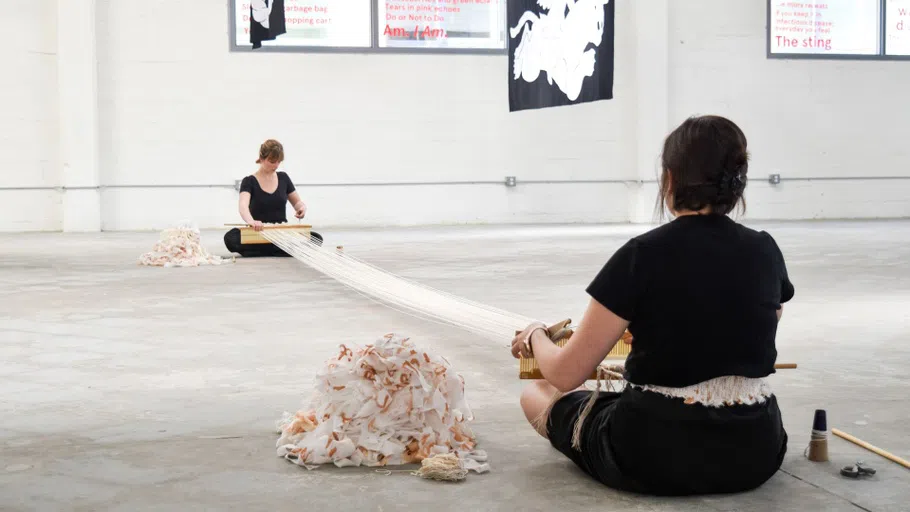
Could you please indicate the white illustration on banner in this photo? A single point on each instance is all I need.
(559, 43)
(262, 9)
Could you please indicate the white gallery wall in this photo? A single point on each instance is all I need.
(118, 125)
(29, 140)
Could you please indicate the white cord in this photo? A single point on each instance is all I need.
(396, 292)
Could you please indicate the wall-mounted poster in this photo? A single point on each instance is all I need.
(303, 23)
(560, 52)
(829, 27)
(459, 24)
(897, 30)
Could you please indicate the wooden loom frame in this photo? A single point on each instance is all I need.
(250, 236)
(560, 333)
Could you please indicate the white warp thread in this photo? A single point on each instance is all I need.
(492, 323)
(397, 292)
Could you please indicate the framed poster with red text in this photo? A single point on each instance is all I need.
(897, 27)
(297, 24)
(824, 27)
(452, 24)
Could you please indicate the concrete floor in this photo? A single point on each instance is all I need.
(136, 388)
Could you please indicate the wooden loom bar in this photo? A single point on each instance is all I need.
(560, 333)
(250, 236)
(532, 371)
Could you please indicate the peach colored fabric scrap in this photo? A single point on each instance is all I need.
(383, 404)
(180, 247)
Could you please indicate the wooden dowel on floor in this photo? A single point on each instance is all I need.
(874, 449)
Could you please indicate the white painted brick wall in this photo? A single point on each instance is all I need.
(28, 118)
(378, 206)
(183, 110)
(803, 118)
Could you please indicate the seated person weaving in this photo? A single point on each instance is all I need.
(262, 200)
(702, 297)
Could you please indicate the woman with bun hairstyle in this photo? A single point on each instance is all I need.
(702, 297)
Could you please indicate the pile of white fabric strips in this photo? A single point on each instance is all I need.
(180, 247)
(384, 404)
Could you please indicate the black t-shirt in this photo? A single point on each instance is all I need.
(701, 295)
(267, 207)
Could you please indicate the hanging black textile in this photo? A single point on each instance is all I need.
(275, 25)
(560, 53)
(277, 21)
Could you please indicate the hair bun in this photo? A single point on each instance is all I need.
(704, 164)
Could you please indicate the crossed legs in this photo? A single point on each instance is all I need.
(232, 242)
(536, 400)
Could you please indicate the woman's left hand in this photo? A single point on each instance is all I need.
(301, 211)
(521, 343)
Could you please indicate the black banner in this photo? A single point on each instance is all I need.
(560, 52)
(267, 21)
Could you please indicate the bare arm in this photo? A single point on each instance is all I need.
(569, 367)
(780, 312)
(244, 208)
(297, 203)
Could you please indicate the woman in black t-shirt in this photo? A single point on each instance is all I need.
(263, 196)
(702, 297)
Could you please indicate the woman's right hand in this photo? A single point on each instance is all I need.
(521, 343)
(256, 225)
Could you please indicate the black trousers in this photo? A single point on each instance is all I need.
(232, 242)
(642, 442)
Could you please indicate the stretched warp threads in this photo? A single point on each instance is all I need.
(399, 293)
(495, 324)
(418, 300)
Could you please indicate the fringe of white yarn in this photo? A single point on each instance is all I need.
(718, 392)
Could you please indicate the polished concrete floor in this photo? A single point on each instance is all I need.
(137, 388)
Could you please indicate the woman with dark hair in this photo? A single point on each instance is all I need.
(701, 296)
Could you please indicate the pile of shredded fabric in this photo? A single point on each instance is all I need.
(180, 247)
(384, 404)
